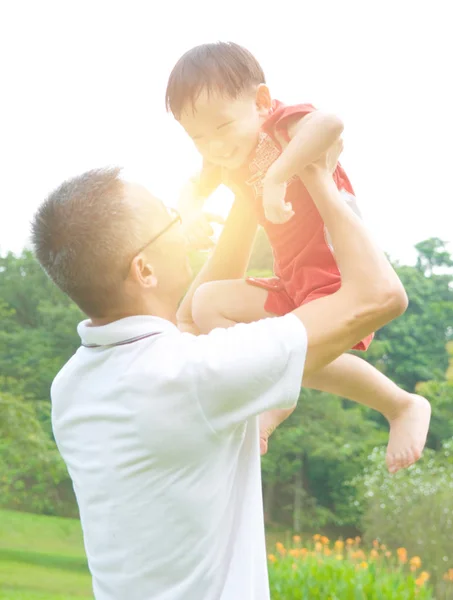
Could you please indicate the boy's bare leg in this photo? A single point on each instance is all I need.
(408, 414)
(225, 303)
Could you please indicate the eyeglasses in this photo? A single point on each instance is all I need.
(176, 219)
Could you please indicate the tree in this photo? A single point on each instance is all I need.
(37, 326)
(432, 253)
(413, 348)
(440, 395)
(312, 456)
(32, 474)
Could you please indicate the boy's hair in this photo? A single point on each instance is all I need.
(222, 67)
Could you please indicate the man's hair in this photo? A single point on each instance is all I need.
(83, 234)
(222, 67)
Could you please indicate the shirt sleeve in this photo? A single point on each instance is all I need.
(277, 123)
(247, 369)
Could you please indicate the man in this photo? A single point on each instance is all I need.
(159, 428)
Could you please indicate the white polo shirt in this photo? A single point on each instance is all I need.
(159, 431)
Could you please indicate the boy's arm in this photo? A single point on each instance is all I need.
(304, 139)
(229, 259)
(309, 137)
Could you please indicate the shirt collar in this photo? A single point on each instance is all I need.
(123, 331)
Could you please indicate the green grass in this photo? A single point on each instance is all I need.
(24, 531)
(42, 558)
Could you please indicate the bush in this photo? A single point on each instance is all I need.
(414, 509)
(343, 571)
(33, 476)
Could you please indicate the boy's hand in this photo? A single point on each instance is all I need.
(276, 210)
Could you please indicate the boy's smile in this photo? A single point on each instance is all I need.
(225, 130)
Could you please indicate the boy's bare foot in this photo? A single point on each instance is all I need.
(408, 432)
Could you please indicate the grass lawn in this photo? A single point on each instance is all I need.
(42, 558)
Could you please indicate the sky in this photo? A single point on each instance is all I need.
(83, 86)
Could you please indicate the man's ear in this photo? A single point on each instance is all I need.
(142, 272)
(263, 99)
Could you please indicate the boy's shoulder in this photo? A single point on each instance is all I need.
(282, 114)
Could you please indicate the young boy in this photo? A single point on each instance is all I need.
(257, 146)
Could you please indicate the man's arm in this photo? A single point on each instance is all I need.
(371, 294)
(197, 224)
(252, 368)
(310, 137)
(229, 259)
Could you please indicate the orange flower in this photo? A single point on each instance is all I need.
(316, 537)
(449, 575)
(303, 552)
(358, 539)
(280, 548)
(383, 547)
(294, 552)
(376, 544)
(416, 562)
(339, 545)
(318, 547)
(364, 565)
(296, 539)
(402, 555)
(388, 554)
(422, 578)
(374, 553)
(327, 551)
(324, 540)
(349, 541)
(272, 558)
(358, 555)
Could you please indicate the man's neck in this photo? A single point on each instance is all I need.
(152, 308)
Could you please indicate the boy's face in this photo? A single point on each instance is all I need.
(225, 130)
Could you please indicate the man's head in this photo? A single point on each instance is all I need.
(111, 246)
(218, 94)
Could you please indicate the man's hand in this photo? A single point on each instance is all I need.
(196, 224)
(269, 421)
(186, 326)
(276, 210)
(327, 161)
(198, 230)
